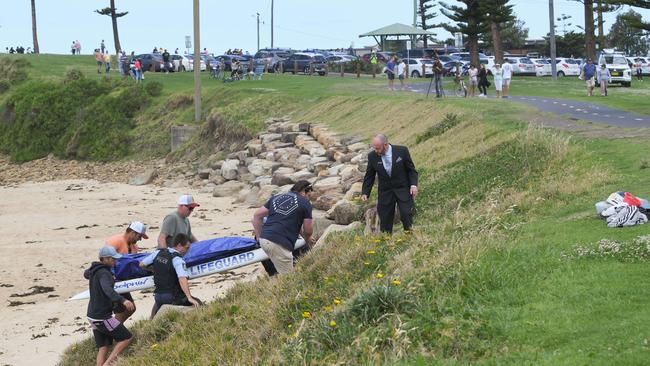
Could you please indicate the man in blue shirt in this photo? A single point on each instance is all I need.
(390, 71)
(589, 72)
(288, 216)
(170, 275)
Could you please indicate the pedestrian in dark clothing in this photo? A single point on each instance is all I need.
(483, 82)
(438, 70)
(104, 301)
(102, 46)
(398, 182)
(165, 56)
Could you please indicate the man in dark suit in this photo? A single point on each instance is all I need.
(398, 182)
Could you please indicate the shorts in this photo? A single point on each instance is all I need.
(281, 257)
(591, 82)
(109, 330)
(473, 82)
(99, 63)
(391, 76)
(401, 77)
(506, 82)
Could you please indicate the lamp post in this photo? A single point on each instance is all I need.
(271, 24)
(551, 16)
(258, 31)
(197, 64)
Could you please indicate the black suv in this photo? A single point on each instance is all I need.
(304, 62)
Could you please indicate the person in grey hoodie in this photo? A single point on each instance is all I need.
(104, 301)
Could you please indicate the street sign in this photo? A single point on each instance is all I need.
(188, 42)
(408, 45)
(458, 39)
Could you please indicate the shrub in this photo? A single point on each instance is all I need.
(448, 122)
(12, 72)
(153, 88)
(73, 75)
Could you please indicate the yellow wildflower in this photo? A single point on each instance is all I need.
(154, 346)
(328, 308)
(332, 323)
(377, 240)
(366, 263)
(306, 314)
(380, 275)
(337, 301)
(290, 326)
(397, 282)
(371, 252)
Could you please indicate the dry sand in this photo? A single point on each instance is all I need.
(51, 231)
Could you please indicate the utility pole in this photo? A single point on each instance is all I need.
(197, 64)
(271, 24)
(551, 17)
(415, 13)
(258, 31)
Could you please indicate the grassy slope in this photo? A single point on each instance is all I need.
(481, 281)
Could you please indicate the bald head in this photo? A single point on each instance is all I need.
(380, 143)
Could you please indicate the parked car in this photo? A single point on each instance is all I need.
(566, 67)
(618, 68)
(151, 62)
(542, 67)
(272, 57)
(522, 66)
(340, 59)
(450, 67)
(190, 63)
(304, 62)
(448, 58)
(415, 67)
(184, 63)
(381, 57)
(465, 55)
(643, 61)
(228, 60)
(417, 53)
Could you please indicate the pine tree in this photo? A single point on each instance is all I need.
(497, 13)
(34, 32)
(634, 21)
(425, 13)
(111, 11)
(469, 21)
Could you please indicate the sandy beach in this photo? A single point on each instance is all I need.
(51, 231)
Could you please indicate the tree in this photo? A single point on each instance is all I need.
(34, 32)
(590, 38)
(513, 35)
(627, 38)
(633, 21)
(497, 14)
(112, 12)
(425, 13)
(604, 6)
(469, 21)
(571, 44)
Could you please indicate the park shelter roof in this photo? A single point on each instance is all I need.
(396, 29)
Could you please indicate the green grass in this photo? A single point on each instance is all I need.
(483, 280)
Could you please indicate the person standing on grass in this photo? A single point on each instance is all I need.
(99, 58)
(103, 300)
(401, 73)
(102, 46)
(107, 62)
(77, 47)
(390, 72)
(170, 275)
(177, 222)
(482, 81)
(498, 79)
(124, 70)
(137, 70)
(639, 71)
(165, 56)
(438, 70)
(603, 78)
(473, 80)
(397, 182)
(72, 48)
(589, 74)
(288, 216)
(506, 72)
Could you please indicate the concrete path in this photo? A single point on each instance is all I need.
(571, 109)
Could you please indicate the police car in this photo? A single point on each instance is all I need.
(617, 65)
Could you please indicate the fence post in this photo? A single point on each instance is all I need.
(341, 64)
(358, 70)
(424, 70)
(281, 67)
(407, 72)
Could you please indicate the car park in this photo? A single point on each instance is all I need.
(306, 63)
(381, 57)
(228, 60)
(542, 67)
(619, 69)
(415, 67)
(644, 62)
(465, 56)
(522, 66)
(190, 63)
(340, 59)
(566, 67)
(184, 63)
(272, 57)
(151, 62)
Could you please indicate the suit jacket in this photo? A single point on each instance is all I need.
(403, 173)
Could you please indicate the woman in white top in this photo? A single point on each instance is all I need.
(401, 73)
(507, 77)
(473, 80)
(498, 79)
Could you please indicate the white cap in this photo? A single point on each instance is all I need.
(139, 228)
(187, 200)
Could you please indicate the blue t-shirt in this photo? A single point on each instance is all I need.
(590, 71)
(286, 213)
(390, 66)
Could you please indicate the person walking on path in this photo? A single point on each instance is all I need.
(170, 275)
(589, 74)
(127, 243)
(507, 77)
(390, 72)
(604, 77)
(398, 182)
(639, 70)
(401, 73)
(288, 216)
(498, 80)
(99, 58)
(438, 70)
(102, 46)
(483, 82)
(473, 80)
(177, 222)
(103, 299)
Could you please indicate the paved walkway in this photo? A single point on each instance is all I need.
(572, 109)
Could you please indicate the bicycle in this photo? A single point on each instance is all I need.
(216, 73)
(460, 89)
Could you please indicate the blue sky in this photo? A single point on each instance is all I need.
(298, 24)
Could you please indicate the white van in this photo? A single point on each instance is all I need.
(618, 68)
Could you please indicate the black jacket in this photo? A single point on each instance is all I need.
(403, 174)
(164, 275)
(102, 293)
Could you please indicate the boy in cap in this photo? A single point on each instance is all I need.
(170, 275)
(103, 299)
(127, 243)
(177, 222)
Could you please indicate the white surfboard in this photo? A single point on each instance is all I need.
(200, 270)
